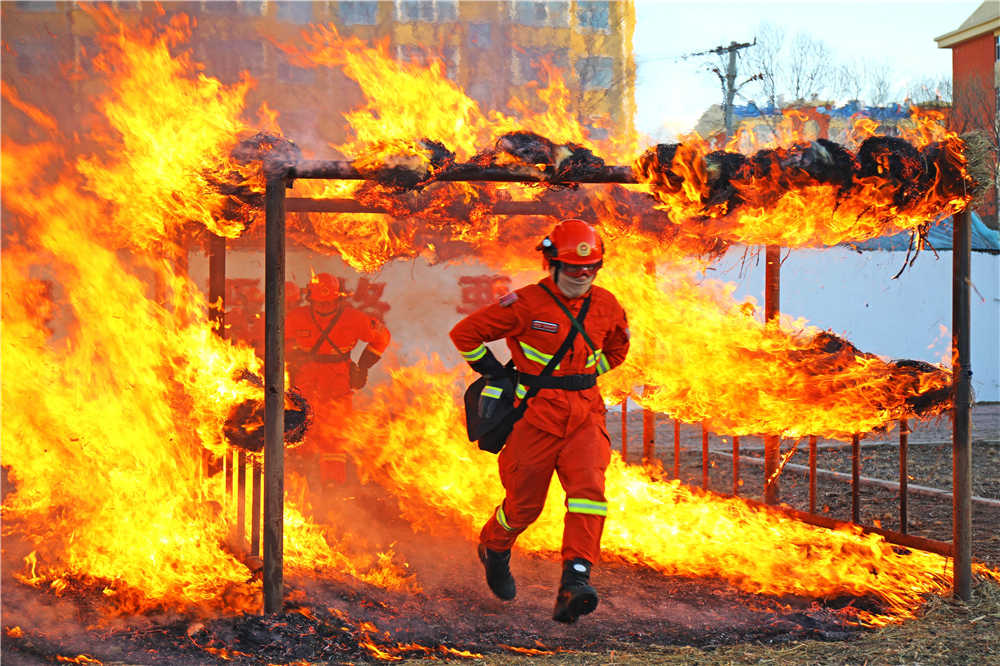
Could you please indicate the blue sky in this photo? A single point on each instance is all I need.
(672, 93)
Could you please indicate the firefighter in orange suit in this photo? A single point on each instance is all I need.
(320, 337)
(563, 428)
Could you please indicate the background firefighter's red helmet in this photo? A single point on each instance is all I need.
(574, 242)
(323, 288)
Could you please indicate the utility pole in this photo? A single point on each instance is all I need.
(728, 79)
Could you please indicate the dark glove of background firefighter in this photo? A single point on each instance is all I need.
(359, 370)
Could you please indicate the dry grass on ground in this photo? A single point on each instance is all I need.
(946, 632)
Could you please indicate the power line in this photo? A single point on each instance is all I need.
(728, 79)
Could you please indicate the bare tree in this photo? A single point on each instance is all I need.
(764, 60)
(878, 76)
(850, 80)
(807, 67)
(930, 89)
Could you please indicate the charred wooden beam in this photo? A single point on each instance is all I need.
(344, 170)
(307, 205)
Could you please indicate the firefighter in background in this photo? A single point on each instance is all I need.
(320, 337)
(563, 428)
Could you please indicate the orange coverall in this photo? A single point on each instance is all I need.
(561, 430)
(324, 376)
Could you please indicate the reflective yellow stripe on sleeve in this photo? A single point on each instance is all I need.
(580, 505)
(475, 354)
(502, 519)
(521, 391)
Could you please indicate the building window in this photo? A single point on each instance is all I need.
(527, 64)
(594, 15)
(417, 55)
(597, 132)
(295, 12)
(39, 6)
(358, 13)
(555, 14)
(480, 35)
(428, 11)
(251, 7)
(447, 10)
(595, 72)
(34, 56)
(220, 7)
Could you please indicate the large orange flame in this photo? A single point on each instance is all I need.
(136, 387)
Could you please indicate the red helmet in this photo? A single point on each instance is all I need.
(323, 288)
(572, 241)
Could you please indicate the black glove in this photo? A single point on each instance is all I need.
(489, 366)
(358, 376)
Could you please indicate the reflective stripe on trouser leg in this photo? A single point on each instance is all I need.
(581, 505)
(526, 464)
(581, 467)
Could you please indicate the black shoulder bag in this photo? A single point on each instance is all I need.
(491, 434)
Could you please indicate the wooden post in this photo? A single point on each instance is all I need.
(962, 392)
(625, 429)
(704, 456)
(677, 449)
(856, 479)
(241, 497)
(648, 436)
(772, 311)
(217, 305)
(812, 474)
(736, 465)
(904, 439)
(276, 175)
(255, 510)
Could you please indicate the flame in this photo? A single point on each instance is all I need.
(664, 525)
(134, 390)
(799, 193)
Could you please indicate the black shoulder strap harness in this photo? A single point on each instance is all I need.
(325, 336)
(535, 383)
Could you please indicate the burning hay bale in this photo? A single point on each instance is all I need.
(529, 153)
(888, 176)
(244, 427)
(406, 168)
(241, 184)
(924, 388)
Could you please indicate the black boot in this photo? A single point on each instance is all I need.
(498, 576)
(576, 597)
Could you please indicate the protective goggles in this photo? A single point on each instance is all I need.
(577, 270)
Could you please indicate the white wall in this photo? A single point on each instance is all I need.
(853, 294)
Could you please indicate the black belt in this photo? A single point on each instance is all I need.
(329, 358)
(565, 382)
